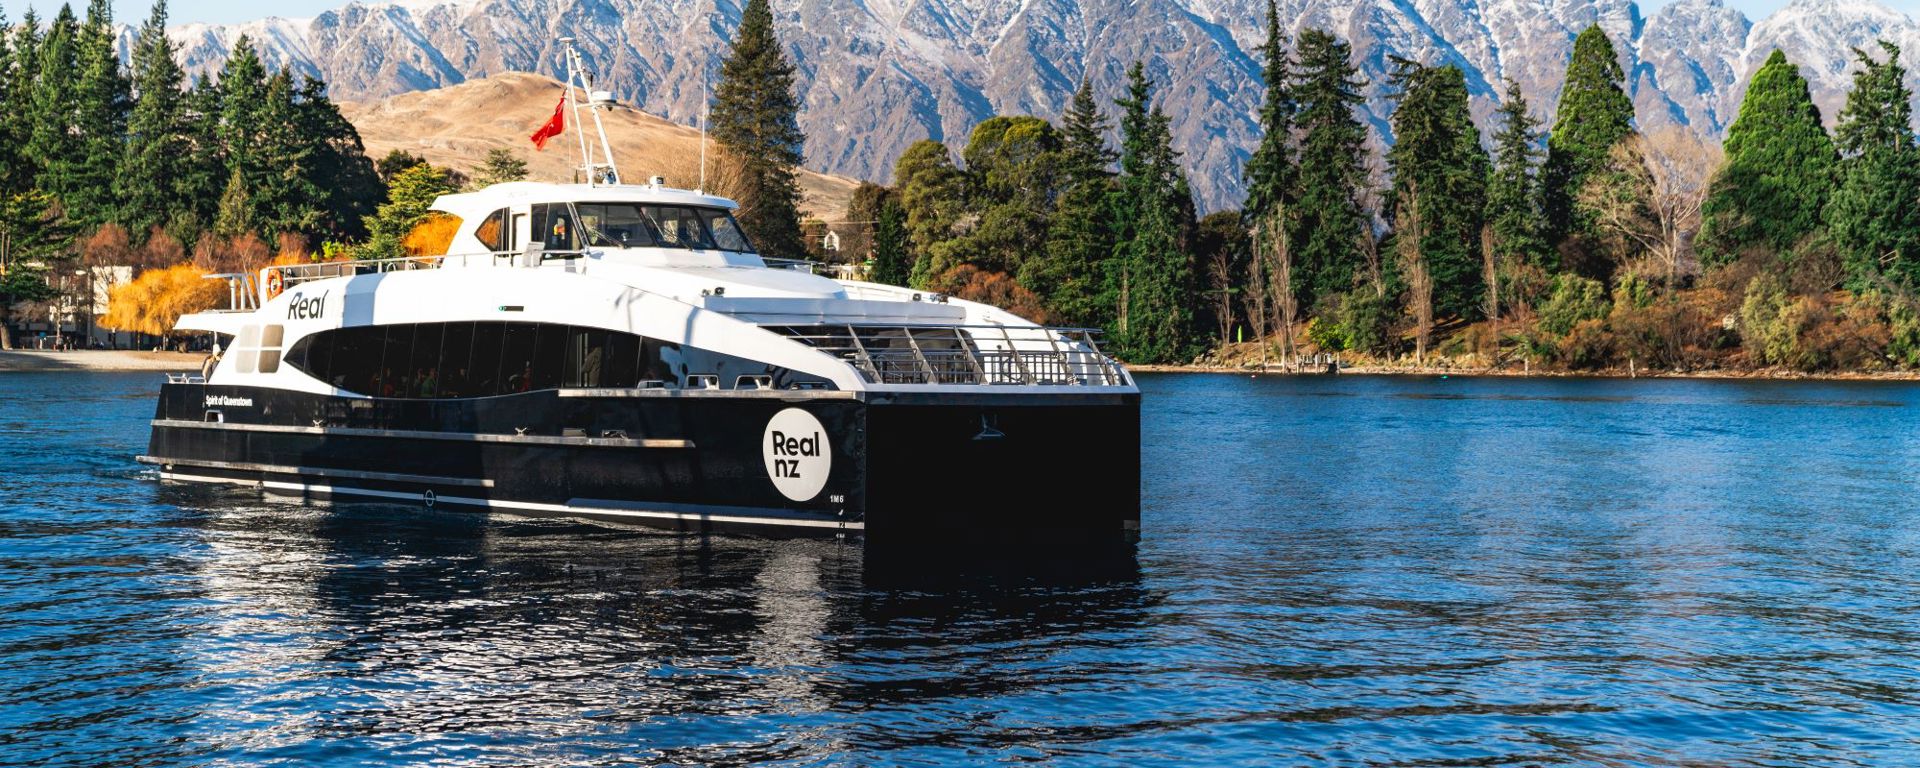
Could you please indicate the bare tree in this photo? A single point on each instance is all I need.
(1220, 281)
(1256, 295)
(1649, 196)
(1371, 202)
(1273, 255)
(1413, 265)
(1490, 274)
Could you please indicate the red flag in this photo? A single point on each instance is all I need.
(554, 125)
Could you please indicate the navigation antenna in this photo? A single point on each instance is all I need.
(577, 75)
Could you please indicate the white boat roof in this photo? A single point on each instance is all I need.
(518, 192)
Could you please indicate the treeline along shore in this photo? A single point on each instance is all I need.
(1551, 243)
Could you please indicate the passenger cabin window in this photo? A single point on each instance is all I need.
(477, 359)
(257, 349)
(726, 232)
(494, 233)
(554, 224)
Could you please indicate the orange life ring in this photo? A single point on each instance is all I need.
(275, 284)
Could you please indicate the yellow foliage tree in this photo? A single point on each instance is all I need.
(154, 302)
(432, 236)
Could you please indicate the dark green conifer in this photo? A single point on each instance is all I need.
(501, 165)
(1069, 276)
(1436, 156)
(1152, 267)
(1270, 171)
(1513, 192)
(201, 174)
(1875, 213)
(755, 119)
(100, 104)
(1329, 223)
(337, 164)
(158, 135)
(1779, 171)
(51, 111)
(892, 261)
(1594, 114)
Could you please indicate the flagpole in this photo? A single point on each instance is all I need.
(573, 71)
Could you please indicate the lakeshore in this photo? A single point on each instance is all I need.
(1766, 374)
(98, 360)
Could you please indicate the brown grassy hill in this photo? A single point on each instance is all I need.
(455, 126)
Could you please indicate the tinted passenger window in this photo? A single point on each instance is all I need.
(480, 359)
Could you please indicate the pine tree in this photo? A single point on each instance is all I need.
(1329, 223)
(501, 165)
(755, 120)
(286, 198)
(1779, 171)
(1270, 171)
(1152, 267)
(1513, 192)
(51, 142)
(1594, 115)
(18, 174)
(9, 146)
(1875, 213)
(242, 133)
(933, 194)
(101, 102)
(1069, 276)
(1436, 155)
(892, 262)
(338, 167)
(157, 131)
(201, 175)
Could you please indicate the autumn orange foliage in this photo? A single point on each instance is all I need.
(993, 288)
(154, 302)
(432, 236)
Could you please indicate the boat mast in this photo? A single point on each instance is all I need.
(577, 74)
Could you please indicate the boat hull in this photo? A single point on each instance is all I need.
(877, 466)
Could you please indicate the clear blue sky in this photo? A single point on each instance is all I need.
(225, 11)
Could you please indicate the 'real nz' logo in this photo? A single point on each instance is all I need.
(797, 454)
(307, 307)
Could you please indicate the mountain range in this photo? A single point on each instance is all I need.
(876, 75)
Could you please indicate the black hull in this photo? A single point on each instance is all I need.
(902, 466)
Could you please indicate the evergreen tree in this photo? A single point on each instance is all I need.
(1875, 213)
(1513, 192)
(338, 168)
(933, 194)
(1270, 172)
(1329, 224)
(1594, 115)
(52, 143)
(1069, 274)
(1773, 187)
(17, 175)
(9, 146)
(282, 185)
(1011, 177)
(201, 174)
(242, 128)
(1152, 267)
(101, 102)
(500, 166)
(158, 134)
(410, 198)
(1436, 155)
(755, 121)
(892, 262)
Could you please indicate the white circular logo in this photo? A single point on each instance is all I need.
(797, 454)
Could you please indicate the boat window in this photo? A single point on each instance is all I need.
(484, 372)
(678, 227)
(242, 350)
(516, 358)
(727, 235)
(456, 353)
(553, 223)
(492, 233)
(616, 225)
(425, 369)
(475, 359)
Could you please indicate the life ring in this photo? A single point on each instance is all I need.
(275, 284)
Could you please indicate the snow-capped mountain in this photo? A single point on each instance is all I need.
(877, 75)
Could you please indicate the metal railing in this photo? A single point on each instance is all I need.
(963, 354)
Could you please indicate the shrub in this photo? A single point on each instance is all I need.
(1574, 300)
(1358, 320)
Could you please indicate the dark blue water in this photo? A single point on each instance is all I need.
(1349, 571)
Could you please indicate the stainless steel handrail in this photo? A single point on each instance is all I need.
(924, 353)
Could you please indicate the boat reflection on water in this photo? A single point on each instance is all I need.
(687, 649)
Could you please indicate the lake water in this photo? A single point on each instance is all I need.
(1333, 571)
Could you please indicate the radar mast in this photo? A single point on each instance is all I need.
(580, 81)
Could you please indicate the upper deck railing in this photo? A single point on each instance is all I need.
(964, 354)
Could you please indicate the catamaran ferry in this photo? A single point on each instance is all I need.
(620, 352)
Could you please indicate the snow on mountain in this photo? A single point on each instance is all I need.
(877, 75)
